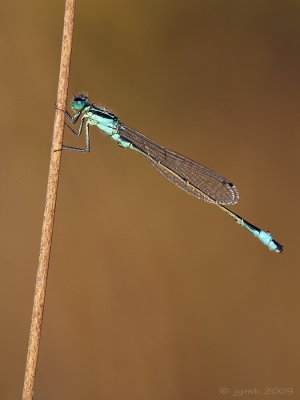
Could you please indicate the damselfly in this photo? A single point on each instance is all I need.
(188, 175)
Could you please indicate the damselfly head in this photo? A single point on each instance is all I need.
(79, 102)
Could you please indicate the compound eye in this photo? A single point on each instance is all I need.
(79, 102)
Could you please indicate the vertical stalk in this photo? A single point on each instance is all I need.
(49, 213)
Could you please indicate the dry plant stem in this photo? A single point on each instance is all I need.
(48, 221)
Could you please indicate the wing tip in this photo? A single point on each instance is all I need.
(234, 194)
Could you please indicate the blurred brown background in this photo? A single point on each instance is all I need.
(153, 294)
